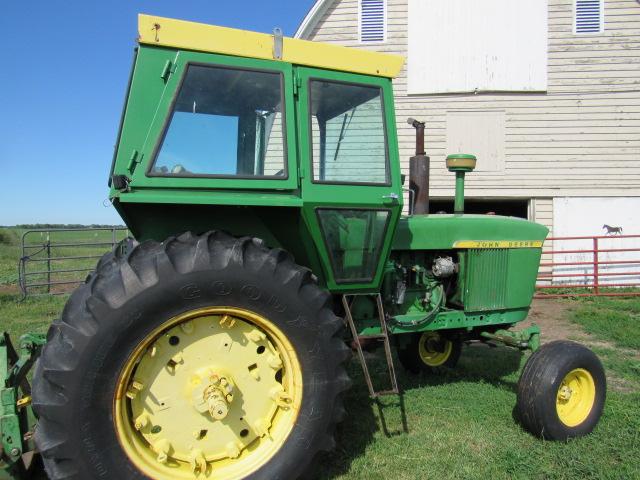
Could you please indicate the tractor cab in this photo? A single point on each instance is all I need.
(288, 140)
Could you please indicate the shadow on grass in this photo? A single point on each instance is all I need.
(478, 363)
(367, 417)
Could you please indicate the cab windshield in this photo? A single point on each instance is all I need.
(224, 122)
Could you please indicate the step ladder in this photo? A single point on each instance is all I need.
(384, 336)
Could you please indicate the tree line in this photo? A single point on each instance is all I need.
(65, 225)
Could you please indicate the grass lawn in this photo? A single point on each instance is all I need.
(614, 319)
(459, 424)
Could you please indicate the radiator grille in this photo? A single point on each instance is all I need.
(486, 279)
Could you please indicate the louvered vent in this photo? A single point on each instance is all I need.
(372, 20)
(588, 16)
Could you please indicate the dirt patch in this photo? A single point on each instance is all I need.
(9, 289)
(552, 316)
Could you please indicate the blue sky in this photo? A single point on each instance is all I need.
(62, 84)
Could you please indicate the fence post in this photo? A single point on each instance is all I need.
(48, 253)
(596, 282)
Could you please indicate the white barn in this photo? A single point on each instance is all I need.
(546, 94)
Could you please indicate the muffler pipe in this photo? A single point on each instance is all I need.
(419, 173)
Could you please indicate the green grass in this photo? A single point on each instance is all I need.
(9, 254)
(458, 425)
(31, 315)
(613, 319)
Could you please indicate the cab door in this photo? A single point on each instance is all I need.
(350, 170)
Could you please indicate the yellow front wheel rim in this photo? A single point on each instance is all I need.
(428, 354)
(212, 393)
(575, 397)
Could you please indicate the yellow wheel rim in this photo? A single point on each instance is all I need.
(430, 356)
(212, 393)
(575, 398)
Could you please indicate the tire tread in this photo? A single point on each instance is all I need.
(120, 276)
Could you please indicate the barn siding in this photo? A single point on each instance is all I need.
(581, 138)
(542, 212)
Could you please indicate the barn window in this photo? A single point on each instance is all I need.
(458, 46)
(481, 132)
(372, 20)
(589, 16)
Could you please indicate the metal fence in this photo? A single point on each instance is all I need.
(607, 265)
(55, 261)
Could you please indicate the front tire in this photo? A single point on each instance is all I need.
(561, 391)
(428, 352)
(184, 358)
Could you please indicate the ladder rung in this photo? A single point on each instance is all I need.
(384, 336)
(371, 337)
(382, 393)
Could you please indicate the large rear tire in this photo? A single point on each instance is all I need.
(199, 356)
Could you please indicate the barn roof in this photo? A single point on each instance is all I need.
(312, 18)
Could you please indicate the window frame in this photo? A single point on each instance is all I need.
(388, 174)
(169, 117)
(379, 247)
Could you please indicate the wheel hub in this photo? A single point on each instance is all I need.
(565, 393)
(433, 349)
(575, 397)
(213, 395)
(206, 395)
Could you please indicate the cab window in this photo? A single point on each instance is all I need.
(224, 122)
(348, 133)
(354, 239)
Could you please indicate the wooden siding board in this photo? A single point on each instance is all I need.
(583, 135)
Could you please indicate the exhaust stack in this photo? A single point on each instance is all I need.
(419, 173)
(461, 164)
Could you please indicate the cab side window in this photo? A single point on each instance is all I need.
(348, 133)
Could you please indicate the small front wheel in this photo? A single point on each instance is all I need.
(428, 351)
(561, 392)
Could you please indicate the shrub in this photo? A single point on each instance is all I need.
(8, 237)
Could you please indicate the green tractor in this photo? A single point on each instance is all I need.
(260, 177)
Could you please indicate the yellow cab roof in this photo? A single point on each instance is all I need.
(183, 35)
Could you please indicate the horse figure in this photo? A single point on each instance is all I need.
(612, 230)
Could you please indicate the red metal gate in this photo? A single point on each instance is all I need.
(607, 263)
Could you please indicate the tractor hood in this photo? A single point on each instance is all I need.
(443, 232)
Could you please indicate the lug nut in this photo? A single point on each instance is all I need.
(274, 361)
(141, 422)
(197, 461)
(255, 336)
(162, 448)
(187, 327)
